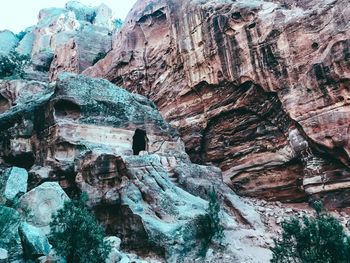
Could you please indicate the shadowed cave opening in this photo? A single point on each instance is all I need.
(139, 141)
(67, 109)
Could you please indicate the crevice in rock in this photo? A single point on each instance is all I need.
(67, 109)
(23, 160)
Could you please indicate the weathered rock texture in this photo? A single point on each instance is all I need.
(8, 42)
(258, 88)
(87, 135)
(64, 39)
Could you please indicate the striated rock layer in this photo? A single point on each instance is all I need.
(258, 88)
(82, 134)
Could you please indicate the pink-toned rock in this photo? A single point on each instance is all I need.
(239, 80)
(87, 135)
(68, 39)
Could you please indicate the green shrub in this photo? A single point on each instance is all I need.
(9, 221)
(118, 23)
(98, 57)
(12, 66)
(213, 232)
(319, 239)
(21, 35)
(77, 236)
(215, 228)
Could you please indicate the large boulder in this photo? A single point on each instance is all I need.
(34, 241)
(16, 183)
(8, 42)
(39, 204)
(167, 219)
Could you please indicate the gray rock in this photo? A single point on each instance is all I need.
(81, 11)
(42, 202)
(16, 182)
(114, 241)
(34, 241)
(25, 46)
(8, 42)
(103, 16)
(42, 60)
(114, 255)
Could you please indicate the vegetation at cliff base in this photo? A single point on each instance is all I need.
(76, 235)
(213, 230)
(216, 231)
(98, 57)
(319, 239)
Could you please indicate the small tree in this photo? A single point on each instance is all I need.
(319, 239)
(212, 230)
(216, 229)
(77, 236)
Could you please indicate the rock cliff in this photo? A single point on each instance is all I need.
(81, 134)
(257, 88)
(253, 100)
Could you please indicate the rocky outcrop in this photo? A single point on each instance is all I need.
(87, 135)
(258, 88)
(67, 39)
(8, 42)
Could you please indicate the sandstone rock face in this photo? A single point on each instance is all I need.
(87, 135)
(258, 88)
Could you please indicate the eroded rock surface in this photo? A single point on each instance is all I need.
(86, 135)
(16, 183)
(41, 203)
(67, 39)
(8, 42)
(258, 88)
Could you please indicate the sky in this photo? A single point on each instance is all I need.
(16, 15)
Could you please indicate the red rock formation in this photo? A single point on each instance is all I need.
(259, 88)
(87, 135)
